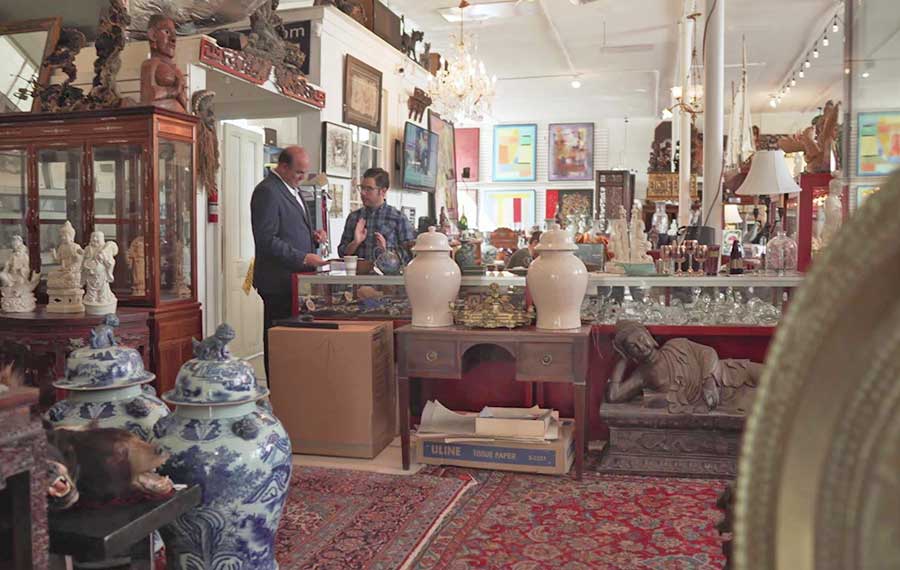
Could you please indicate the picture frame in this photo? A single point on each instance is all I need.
(41, 35)
(570, 151)
(420, 158)
(468, 153)
(878, 150)
(497, 209)
(337, 150)
(575, 202)
(515, 153)
(446, 177)
(362, 94)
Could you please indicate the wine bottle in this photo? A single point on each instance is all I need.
(736, 264)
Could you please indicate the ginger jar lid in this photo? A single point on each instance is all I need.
(104, 364)
(214, 377)
(556, 239)
(432, 240)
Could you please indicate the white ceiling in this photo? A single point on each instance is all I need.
(632, 76)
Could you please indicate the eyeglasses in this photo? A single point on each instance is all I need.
(361, 188)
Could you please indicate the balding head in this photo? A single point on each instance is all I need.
(293, 165)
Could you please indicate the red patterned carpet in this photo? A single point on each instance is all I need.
(336, 519)
(348, 520)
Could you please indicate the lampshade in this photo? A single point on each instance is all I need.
(768, 174)
(732, 214)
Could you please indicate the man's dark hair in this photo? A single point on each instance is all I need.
(535, 237)
(382, 178)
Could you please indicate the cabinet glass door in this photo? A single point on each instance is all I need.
(13, 203)
(59, 199)
(176, 217)
(118, 212)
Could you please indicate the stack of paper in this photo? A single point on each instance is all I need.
(533, 424)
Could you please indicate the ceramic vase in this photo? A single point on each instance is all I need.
(222, 438)
(432, 281)
(107, 383)
(557, 281)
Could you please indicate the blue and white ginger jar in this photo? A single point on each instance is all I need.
(222, 438)
(107, 383)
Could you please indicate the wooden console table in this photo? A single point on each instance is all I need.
(39, 342)
(540, 356)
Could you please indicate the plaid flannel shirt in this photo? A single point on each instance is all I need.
(386, 220)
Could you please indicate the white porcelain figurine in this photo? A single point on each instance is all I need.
(99, 262)
(17, 281)
(64, 283)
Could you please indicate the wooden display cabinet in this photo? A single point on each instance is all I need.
(130, 174)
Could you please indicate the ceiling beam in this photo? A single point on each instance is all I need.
(557, 36)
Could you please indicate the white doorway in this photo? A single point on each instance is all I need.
(242, 169)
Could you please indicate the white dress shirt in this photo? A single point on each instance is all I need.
(294, 191)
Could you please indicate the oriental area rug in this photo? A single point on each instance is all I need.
(460, 519)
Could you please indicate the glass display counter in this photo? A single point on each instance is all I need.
(748, 300)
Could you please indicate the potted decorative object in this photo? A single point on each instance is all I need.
(557, 281)
(432, 280)
(221, 438)
(106, 383)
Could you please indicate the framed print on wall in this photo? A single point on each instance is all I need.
(515, 153)
(337, 146)
(362, 95)
(468, 154)
(506, 209)
(879, 143)
(446, 174)
(578, 203)
(571, 151)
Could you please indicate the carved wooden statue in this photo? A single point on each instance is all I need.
(109, 43)
(682, 375)
(162, 82)
(63, 96)
(817, 141)
(207, 142)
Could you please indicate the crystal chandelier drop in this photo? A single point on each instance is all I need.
(462, 90)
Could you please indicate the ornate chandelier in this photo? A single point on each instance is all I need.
(462, 90)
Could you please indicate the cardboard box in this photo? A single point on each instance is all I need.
(334, 390)
(551, 458)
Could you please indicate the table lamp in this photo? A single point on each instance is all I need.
(768, 175)
(733, 215)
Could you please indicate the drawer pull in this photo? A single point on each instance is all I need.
(431, 356)
(547, 360)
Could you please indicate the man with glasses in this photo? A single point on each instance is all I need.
(377, 226)
(285, 237)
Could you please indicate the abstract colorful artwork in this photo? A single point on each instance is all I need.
(446, 167)
(879, 143)
(506, 209)
(571, 151)
(468, 154)
(578, 203)
(515, 153)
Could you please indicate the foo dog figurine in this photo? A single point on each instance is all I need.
(97, 273)
(162, 82)
(64, 284)
(17, 281)
(215, 347)
(683, 376)
(103, 336)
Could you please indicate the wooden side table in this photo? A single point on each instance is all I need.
(540, 356)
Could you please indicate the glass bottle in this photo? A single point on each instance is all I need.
(736, 263)
(781, 254)
(660, 219)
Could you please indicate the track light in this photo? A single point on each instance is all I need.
(834, 25)
(825, 41)
(802, 74)
(772, 102)
(807, 64)
(576, 84)
(816, 52)
(865, 75)
(793, 81)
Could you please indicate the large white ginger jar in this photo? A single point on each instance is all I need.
(107, 384)
(557, 281)
(223, 438)
(432, 281)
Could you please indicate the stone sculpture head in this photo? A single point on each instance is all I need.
(67, 233)
(97, 239)
(161, 35)
(18, 246)
(633, 341)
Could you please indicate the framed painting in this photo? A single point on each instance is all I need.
(571, 150)
(446, 174)
(362, 94)
(468, 154)
(515, 153)
(879, 143)
(506, 209)
(337, 146)
(577, 203)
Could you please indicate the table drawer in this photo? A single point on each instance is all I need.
(545, 360)
(432, 357)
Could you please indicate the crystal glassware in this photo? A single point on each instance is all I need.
(701, 254)
(680, 255)
(665, 254)
(690, 247)
(781, 254)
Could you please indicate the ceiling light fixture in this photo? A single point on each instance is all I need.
(802, 74)
(462, 89)
(793, 81)
(772, 102)
(846, 71)
(576, 83)
(865, 75)
(834, 26)
(816, 52)
(825, 41)
(806, 63)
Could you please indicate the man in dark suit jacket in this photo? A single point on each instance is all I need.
(284, 235)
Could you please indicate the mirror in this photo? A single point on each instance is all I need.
(24, 46)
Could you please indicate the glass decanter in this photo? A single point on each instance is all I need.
(660, 219)
(781, 254)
